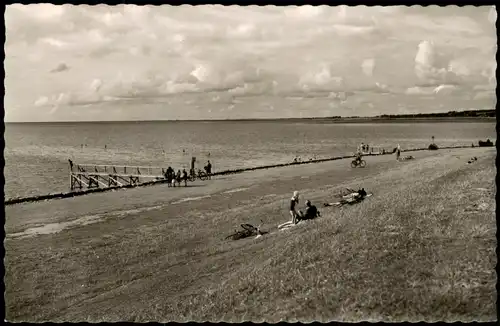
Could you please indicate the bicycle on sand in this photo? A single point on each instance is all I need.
(358, 162)
(248, 231)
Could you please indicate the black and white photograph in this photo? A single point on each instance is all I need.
(213, 163)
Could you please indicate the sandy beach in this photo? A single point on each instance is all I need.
(159, 254)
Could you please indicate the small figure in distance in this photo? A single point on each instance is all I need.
(209, 170)
(169, 176)
(185, 177)
(359, 153)
(178, 178)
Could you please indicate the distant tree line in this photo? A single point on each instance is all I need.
(468, 113)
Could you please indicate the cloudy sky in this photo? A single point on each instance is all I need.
(214, 62)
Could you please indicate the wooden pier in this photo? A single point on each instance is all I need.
(105, 176)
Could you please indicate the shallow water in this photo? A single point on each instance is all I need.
(36, 154)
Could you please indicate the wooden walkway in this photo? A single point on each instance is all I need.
(105, 176)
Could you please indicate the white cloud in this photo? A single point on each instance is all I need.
(321, 78)
(419, 91)
(445, 89)
(368, 65)
(430, 67)
(96, 85)
(42, 101)
(304, 12)
(274, 52)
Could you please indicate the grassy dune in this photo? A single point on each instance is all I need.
(422, 248)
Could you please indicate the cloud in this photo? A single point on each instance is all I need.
(96, 85)
(431, 67)
(420, 91)
(445, 89)
(41, 101)
(320, 78)
(147, 53)
(60, 68)
(368, 65)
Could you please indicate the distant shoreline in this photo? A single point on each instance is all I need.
(301, 120)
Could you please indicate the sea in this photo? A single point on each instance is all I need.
(36, 154)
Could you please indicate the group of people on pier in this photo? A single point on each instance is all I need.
(174, 178)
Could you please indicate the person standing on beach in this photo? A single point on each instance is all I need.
(360, 148)
(293, 203)
(359, 152)
(398, 152)
(179, 177)
(168, 176)
(185, 177)
(209, 170)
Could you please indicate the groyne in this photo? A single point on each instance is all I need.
(70, 194)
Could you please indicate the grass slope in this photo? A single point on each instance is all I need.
(422, 248)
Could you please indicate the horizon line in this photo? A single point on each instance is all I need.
(334, 118)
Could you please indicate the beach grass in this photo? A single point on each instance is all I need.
(422, 248)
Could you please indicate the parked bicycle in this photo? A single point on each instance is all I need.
(198, 175)
(248, 231)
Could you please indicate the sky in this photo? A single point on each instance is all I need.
(127, 62)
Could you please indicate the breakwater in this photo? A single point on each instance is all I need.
(70, 194)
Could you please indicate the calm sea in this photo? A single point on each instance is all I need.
(36, 155)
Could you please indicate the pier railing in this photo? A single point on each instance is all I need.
(105, 176)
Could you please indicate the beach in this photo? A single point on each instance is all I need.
(421, 248)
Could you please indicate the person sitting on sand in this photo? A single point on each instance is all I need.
(293, 203)
(352, 198)
(310, 213)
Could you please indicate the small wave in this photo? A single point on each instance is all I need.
(190, 199)
(235, 190)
